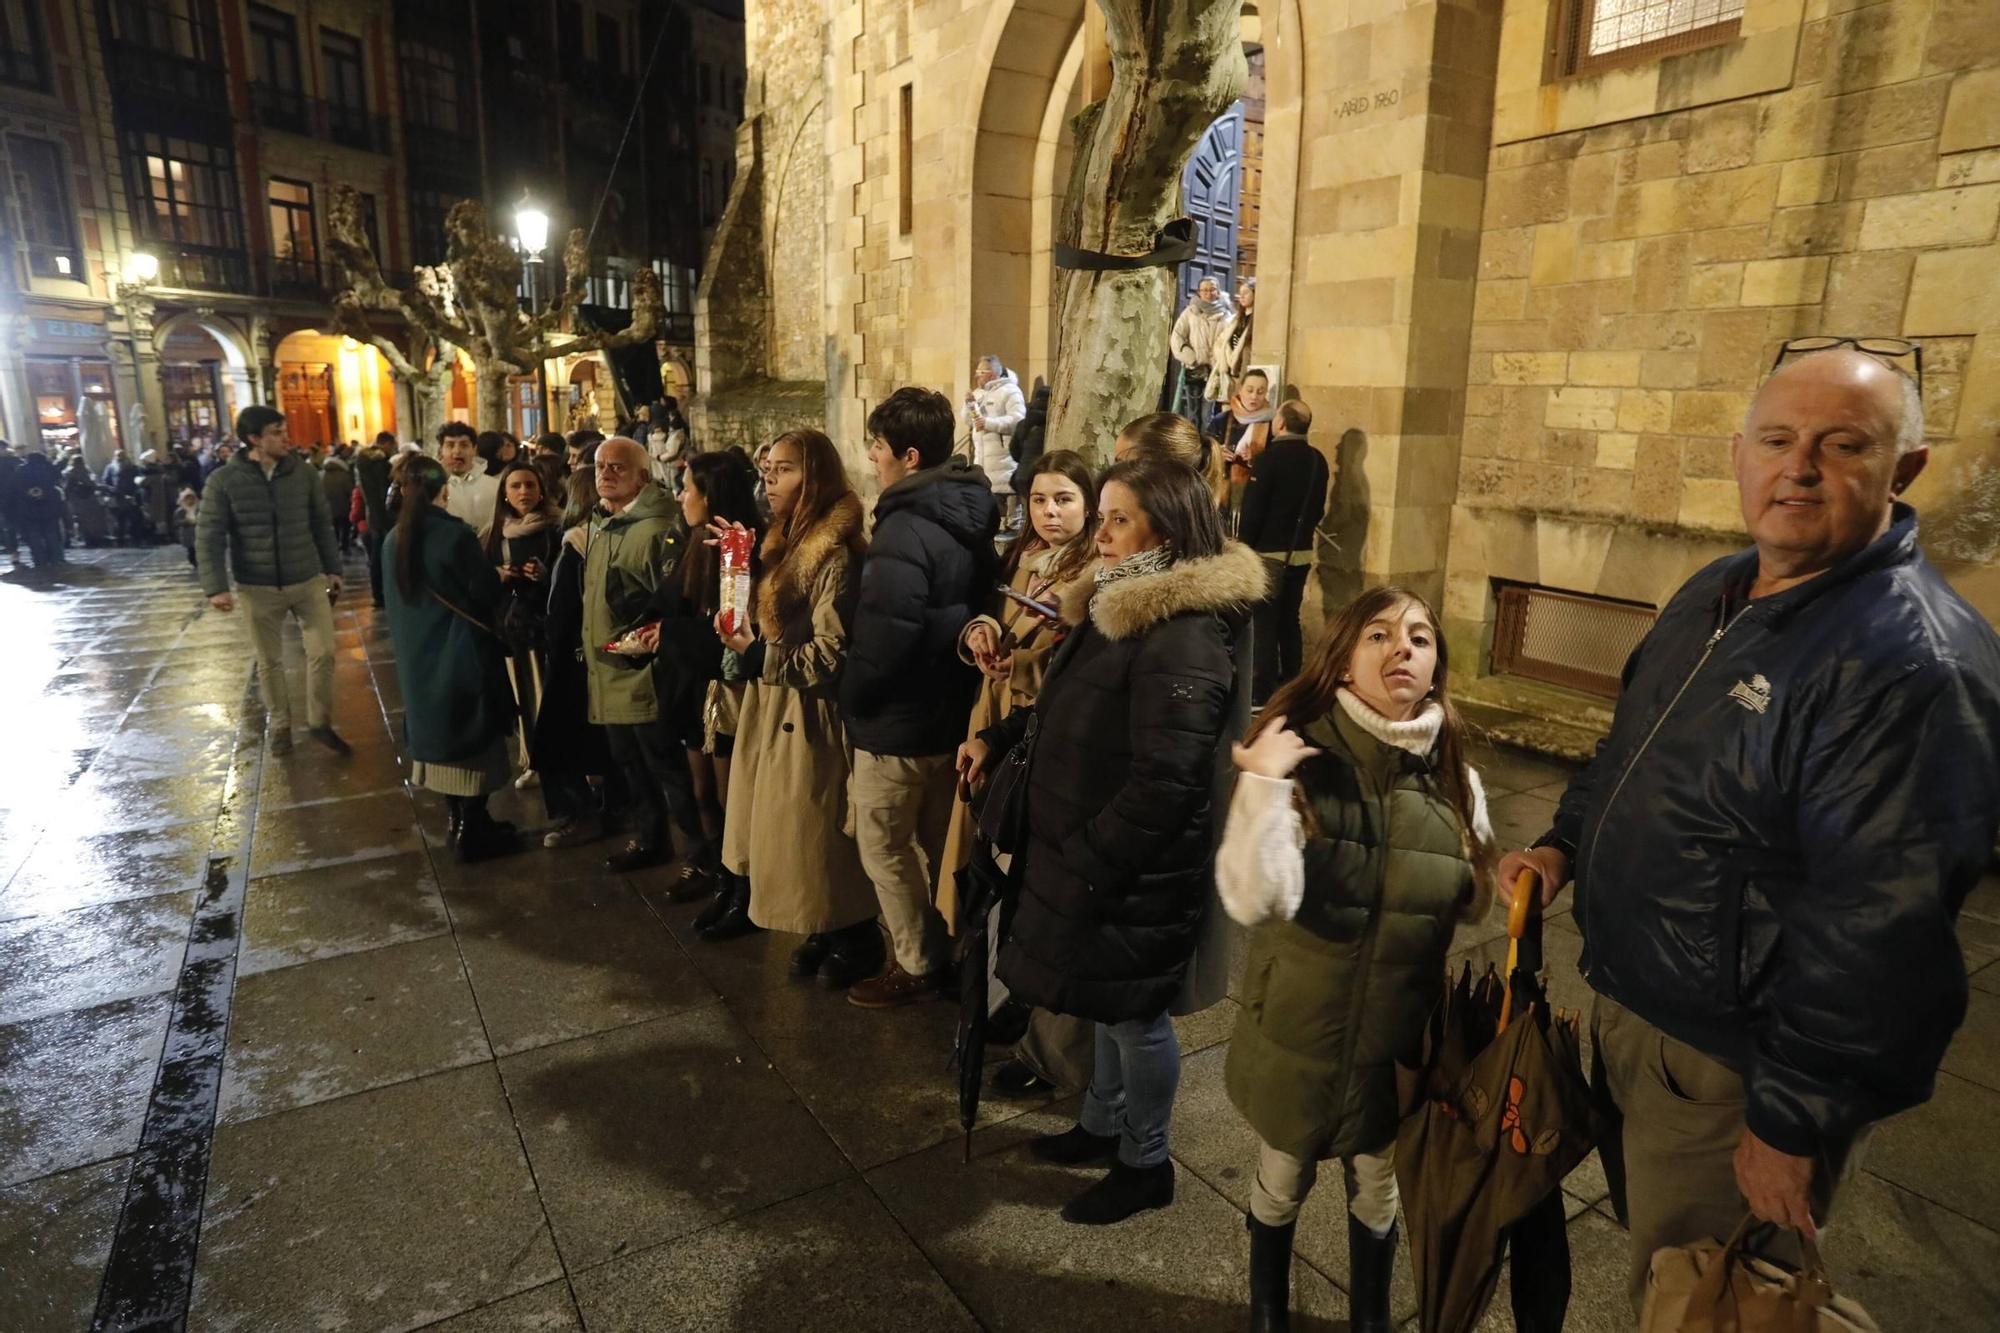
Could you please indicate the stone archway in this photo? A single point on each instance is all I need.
(1030, 62)
(236, 368)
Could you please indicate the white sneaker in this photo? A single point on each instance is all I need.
(526, 780)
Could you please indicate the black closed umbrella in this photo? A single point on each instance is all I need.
(982, 884)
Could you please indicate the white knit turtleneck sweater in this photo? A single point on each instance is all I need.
(1260, 869)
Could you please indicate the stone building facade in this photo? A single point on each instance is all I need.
(1528, 305)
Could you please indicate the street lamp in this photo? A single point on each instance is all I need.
(531, 225)
(141, 268)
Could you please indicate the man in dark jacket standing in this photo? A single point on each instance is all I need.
(264, 514)
(904, 693)
(1801, 785)
(371, 475)
(1282, 507)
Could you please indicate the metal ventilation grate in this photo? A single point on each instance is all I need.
(1565, 638)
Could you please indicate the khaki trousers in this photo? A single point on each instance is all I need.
(1283, 1181)
(1669, 1151)
(268, 607)
(902, 809)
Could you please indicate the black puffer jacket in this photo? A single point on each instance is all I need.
(930, 567)
(1121, 791)
(1774, 841)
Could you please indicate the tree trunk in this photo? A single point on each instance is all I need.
(490, 393)
(1175, 66)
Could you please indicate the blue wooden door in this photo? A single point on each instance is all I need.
(1211, 187)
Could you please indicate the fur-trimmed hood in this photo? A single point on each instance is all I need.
(791, 568)
(1233, 580)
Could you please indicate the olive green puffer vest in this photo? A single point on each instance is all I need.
(1333, 997)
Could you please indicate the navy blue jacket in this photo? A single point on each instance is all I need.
(930, 566)
(1772, 845)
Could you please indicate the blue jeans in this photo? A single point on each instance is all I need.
(1132, 1086)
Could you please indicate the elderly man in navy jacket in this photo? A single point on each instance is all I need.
(1770, 849)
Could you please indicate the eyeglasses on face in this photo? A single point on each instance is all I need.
(1900, 354)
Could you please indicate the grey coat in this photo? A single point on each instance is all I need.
(276, 530)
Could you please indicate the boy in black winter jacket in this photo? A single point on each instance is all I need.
(904, 693)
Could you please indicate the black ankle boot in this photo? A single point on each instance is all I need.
(1270, 1276)
(808, 956)
(1125, 1190)
(735, 918)
(853, 953)
(1371, 1259)
(454, 819)
(481, 836)
(1076, 1146)
(725, 892)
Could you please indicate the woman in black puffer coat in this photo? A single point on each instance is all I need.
(1116, 864)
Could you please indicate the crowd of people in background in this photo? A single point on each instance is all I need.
(1098, 682)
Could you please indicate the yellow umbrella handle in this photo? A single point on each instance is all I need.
(1526, 890)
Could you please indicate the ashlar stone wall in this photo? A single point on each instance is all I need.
(1635, 279)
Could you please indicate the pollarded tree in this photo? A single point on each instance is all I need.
(471, 302)
(1175, 66)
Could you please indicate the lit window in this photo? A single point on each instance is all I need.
(1604, 34)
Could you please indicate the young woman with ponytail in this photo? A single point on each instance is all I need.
(1357, 840)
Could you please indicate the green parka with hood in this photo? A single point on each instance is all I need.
(627, 556)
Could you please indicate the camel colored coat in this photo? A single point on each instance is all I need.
(788, 827)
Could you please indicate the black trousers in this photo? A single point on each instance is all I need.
(1280, 646)
(656, 770)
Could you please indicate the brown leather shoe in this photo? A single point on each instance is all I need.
(894, 988)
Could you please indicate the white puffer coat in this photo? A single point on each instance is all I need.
(995, 411)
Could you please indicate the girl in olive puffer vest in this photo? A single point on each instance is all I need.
(1355, 844)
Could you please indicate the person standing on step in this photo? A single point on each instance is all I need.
(630, 554)
(264, 520)
(793, 865)
(905, 695)
(1346, 903)
(1282, 507)
(1115, 870)
(444, 601)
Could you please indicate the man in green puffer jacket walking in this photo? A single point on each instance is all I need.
(266, 511)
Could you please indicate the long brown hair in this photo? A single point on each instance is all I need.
(825, 484)
(1312, 694)
(502, 511)
(423, 480)
(1081, 550)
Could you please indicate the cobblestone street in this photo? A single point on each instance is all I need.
(521, 1095)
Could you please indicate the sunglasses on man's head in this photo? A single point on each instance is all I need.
(1892, 351)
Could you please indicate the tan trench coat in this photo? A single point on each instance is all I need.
(1035, 643)
(789, 828)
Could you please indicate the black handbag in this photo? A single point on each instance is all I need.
(1002, 807)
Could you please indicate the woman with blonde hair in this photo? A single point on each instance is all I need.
(791, 864)
(1356, 842)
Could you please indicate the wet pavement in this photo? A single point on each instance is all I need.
(268, 1056)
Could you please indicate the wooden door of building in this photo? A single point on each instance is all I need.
(305, 396)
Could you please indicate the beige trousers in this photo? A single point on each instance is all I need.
(1670, 1153)
(902, 809)
(267, 608)
(1283, 1181)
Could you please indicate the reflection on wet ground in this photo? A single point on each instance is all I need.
(524, 1096)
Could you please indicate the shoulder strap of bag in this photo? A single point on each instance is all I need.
(464, 615)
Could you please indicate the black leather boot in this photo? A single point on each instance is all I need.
(725, 892)
(481, 836)
(1371, 1259)
(806, 959)
(1270, 1276)
(854, 953)
(1076, 1146)
(735, 919)
(454, 819)
(1125, 1190)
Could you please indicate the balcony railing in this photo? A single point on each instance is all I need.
(293, 112)
(203, 268)
(296, 278)
(157, 52)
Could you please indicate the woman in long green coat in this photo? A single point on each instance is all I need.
(458, 707)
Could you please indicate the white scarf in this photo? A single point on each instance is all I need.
(1418, 735)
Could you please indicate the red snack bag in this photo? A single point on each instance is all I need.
(628, 643)
(735, 548)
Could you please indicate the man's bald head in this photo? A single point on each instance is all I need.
(1901, 404)
(622, 471)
